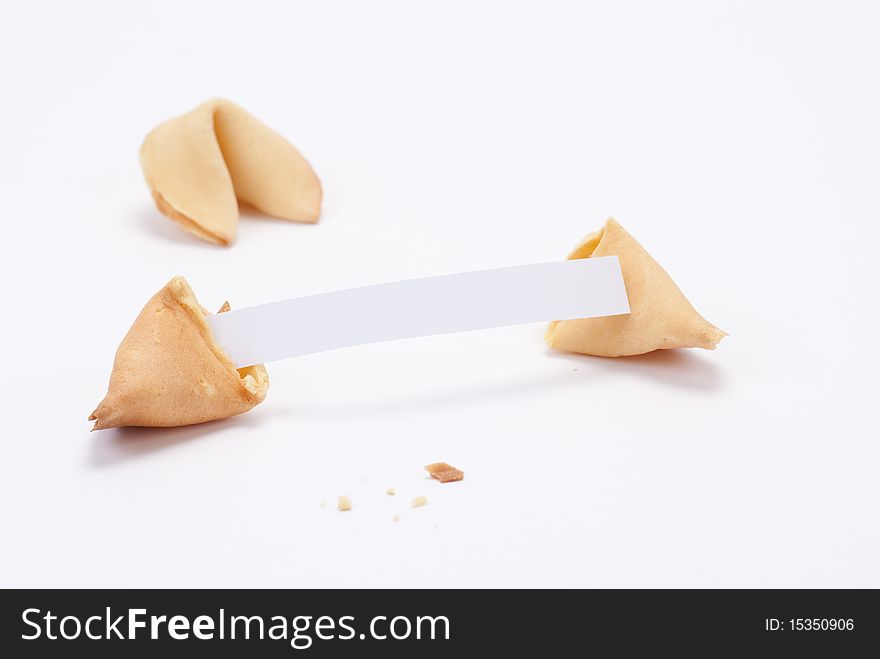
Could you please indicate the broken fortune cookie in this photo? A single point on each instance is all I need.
(660, 315)
(169, 370)
(199, 165)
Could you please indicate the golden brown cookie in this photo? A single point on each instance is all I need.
(169, 370)
(199, 165)
(660, 315)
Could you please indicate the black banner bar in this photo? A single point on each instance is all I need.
(335, 623)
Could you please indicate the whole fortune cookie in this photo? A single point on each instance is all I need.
(660, 315)
(199, 165)
(169, 371)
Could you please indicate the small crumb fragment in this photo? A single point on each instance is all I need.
(344, 503)
(390, 492)
(396, 518)
(419, 501)
(444, 473)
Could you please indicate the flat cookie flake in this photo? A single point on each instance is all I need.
(443, 472)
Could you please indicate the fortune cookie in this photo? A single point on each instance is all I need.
(660, 315)
(169, 370)
(201, 164)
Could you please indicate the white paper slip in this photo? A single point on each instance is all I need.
(580, 288)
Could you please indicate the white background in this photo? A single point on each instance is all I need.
(738, 142)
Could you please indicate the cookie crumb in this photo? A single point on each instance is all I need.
(344, 503)
(444, 473)
(419, 501)
(390, 492)
(396, 518)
